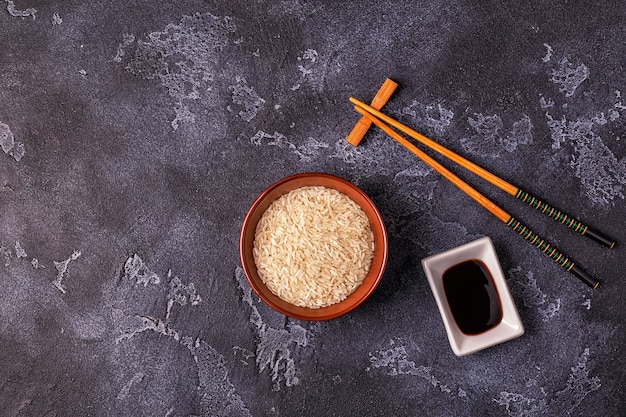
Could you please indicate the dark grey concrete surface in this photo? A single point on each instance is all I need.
(136, 134)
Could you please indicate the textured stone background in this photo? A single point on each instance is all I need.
(136, 134)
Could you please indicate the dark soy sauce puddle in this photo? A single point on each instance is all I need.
(472, 296)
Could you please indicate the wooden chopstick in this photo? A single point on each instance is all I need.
(362, 126)
(493, 208)
(518, 193)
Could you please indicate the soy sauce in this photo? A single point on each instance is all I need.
(472, 296)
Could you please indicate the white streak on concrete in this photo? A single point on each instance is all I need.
(520, 406)
(19, 251)
(490, 138)
(136, 270)
(569, 76)
(578, 385)
(395, 362)
(8, 143)
(13, 11)
(218, 396)
(127, 40)
(435, 116)
(545, 103)
(61, 268)
(245, 96)
(312, 71)
(307, 151)
(245, 353)
(548, 54)
(601, 173)
(532, 295)
(182, 293)
(273, 348)
(550, 310)
(130, 326)
(184, 57)
(7, 140)
(35, 263)
(125, 391)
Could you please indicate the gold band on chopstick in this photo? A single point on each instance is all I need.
(563, 218)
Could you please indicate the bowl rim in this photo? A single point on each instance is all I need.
(356, 298)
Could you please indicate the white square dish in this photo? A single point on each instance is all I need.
(509, 327)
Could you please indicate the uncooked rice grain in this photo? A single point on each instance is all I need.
(313, 246)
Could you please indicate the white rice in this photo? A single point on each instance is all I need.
(313, 246)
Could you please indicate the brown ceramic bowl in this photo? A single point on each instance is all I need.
(261, 204)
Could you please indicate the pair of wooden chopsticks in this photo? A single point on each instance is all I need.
(384, 122)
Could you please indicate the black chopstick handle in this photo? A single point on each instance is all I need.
(585, 277)
(563, 218)
(551, 251)
(599, 237)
